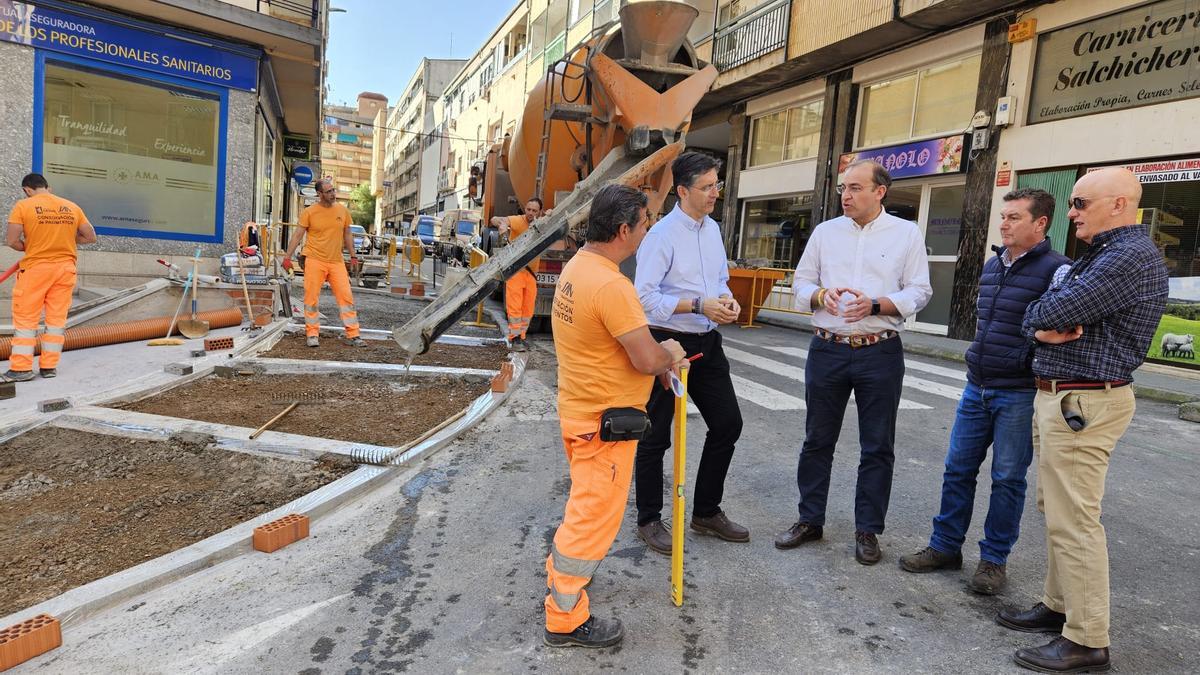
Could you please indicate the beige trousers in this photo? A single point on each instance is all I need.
(1072, 466)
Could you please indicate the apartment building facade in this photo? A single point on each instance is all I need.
(348, 143)
(166, 121)
(410, 167)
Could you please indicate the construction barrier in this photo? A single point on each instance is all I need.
(478, 258)
(771, 288)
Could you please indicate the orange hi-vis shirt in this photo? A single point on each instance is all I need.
(516, 227)
(50, 224)
(326, 227)
(594, 304)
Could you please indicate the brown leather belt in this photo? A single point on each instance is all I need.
(1055, 386)
(856, 341)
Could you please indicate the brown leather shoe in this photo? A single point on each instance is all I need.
(989, 578)
(657, 537)
(1064, 656)
(929, 559)
(720, 526)
(798, 534)
(866, 548)
(1037, 619)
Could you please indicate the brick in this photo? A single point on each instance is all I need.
(178, 369)
(399, 290)
(53, 404)
(218, 344)
(30, 638)
(197, 353)
(417, 289)
(503, 378)
(8, 390)
(281, 532)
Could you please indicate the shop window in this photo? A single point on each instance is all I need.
(903, 201)
(786, 135)
(945, 219)
(140, 156)
(929, 102)
(941, 278)
(774, 231)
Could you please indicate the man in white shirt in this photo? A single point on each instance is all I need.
(861, 274)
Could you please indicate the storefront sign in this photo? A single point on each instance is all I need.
(297, 147)
(1142, 56)
(1165, 171)
(82, 35)
(911, 160)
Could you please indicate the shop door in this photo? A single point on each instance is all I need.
(1058, 183)
(937, 209)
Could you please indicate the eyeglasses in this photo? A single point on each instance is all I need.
(853, 188)
(715, 187)
(1080, 203)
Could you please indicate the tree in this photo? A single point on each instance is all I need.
(362, 205)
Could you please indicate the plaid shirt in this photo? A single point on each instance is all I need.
(1117, 291)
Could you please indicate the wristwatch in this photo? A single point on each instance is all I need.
(874, 307)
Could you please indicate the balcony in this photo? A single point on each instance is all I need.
(447, 180)
(302, 12)
(754, 35)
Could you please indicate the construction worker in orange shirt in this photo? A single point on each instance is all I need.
(326, 232)
(48, 229)
(520, 290)
(606, 362)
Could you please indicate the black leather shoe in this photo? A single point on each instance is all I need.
(48, 372)
(866, 548)
(1064, 656)
(720, 526)
(1038, 619)
(657, 537)
(593, 633)
(798, 534)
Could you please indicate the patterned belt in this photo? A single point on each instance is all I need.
(856, 341)
(1055, 386)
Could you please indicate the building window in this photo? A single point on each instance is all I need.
(786, 135)
(141, 156)
(932, 101)
(774, 231)
(729, 11)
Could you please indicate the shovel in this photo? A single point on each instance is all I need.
(194, 328)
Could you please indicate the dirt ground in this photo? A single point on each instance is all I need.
(387, 351)
(76, 506)
(387, 411)
(382, 312)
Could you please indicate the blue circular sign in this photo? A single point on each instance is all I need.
(302, 174)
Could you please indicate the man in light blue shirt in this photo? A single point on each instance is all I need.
(682, 280)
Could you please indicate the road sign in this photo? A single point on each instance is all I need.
(302, 174)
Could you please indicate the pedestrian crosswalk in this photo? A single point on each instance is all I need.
(776, 381)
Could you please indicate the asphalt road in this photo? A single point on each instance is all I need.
(442, 570)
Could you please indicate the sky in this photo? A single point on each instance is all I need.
(375, 45)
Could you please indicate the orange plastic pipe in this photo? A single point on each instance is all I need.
(82, 337)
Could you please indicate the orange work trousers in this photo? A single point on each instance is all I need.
(600, 477)
(316, 272)
(520, 294)
(41, 287)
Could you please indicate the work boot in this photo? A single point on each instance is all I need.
(1038, 619)
(798, 534)
(48, 372)
(592, 633)
(866, 548)
(1064, 656)
(929, 559)
(354, 342)
(17, 376)
(720, 526)
(989, 578)
(313, 341)
(657, 537)
(518, 344)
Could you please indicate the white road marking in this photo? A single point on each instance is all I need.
(795, 373)
(957, 375)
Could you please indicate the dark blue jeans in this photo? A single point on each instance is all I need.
(875, 375)
(1003, 419)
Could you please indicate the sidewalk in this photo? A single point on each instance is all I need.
(1152, 381)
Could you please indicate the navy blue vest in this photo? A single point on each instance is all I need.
(1000, 357)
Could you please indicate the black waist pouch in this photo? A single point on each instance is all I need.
(623, 424)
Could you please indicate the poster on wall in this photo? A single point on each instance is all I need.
(140, 157)
(1170, 207)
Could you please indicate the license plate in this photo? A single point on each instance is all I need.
(549, 279)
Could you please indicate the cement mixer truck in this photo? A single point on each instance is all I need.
(615, 110)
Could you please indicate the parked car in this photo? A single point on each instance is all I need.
(362, 240)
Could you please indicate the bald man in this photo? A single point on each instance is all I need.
(1089, 332)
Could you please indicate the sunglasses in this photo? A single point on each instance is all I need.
(1079, 203)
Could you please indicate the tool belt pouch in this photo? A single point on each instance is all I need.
(623, 424)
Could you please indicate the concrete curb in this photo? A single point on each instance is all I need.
(1141, 391)
(1190, 411)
